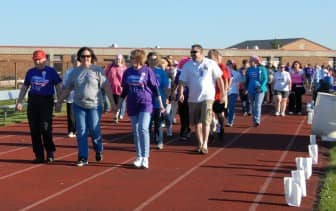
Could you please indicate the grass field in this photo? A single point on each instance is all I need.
(328, 193)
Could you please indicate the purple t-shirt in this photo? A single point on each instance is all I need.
(42, 82)
(139, 85)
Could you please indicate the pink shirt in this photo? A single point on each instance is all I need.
(297, 77)
(114, 74)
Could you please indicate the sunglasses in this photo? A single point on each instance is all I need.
(193, 52)
(85, 56)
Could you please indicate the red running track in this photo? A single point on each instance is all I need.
(244, 171)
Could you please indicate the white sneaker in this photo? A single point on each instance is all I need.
(138, 161)
(160, 146)
(145, 163)
(277, 113)
(169, 131)
(283, 114)
(71, 135)
(121, 116)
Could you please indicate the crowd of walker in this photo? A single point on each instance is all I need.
(153, 89)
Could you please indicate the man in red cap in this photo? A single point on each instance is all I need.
(42, 81)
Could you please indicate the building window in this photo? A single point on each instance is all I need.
(58, 58)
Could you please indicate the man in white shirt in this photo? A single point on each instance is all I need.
(200, 74)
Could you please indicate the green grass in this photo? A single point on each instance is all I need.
(17, 117)
(328, 193)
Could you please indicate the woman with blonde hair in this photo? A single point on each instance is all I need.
(139, 85)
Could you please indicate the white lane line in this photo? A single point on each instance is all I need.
(177, 180)
(32, 167)
(264, 187)
(80, 183)
(73, 186)
(39, 165)
(12, 150)
(6, 136)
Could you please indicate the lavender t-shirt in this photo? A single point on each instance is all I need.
(139, 84)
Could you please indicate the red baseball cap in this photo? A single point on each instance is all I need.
(39, 54)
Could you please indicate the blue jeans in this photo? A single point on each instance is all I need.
(140, 127)
(232, 100)
(123, 109)
(88, 124)
(256, 100)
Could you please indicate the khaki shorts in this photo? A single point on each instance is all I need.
(200, 112)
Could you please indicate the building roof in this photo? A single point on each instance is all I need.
(269, 44)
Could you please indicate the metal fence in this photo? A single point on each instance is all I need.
(12, 73)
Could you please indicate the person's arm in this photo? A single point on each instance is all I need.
(180, 89)
(23, 91)
(108, 92)
(59, 89)
(264, 81)
(64, 94)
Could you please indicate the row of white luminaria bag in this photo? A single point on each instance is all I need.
(295, 186)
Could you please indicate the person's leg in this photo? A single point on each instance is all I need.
(183, 112)
(144, 118)
(232, 103)
(116, 99)
(46, 111)
(82, 131)
(258, 103)
(68, 107)
(158, 136)
(174, 110)
(291, 103)
(253, 107)
(93, 124)
(298, 103)
(72, 119)
(33, 115)
(277, 103)
(122, 110)
(136, 138)
(206, 116)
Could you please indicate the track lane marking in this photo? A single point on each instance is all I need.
(268, 180)
(81, 182)
(187, 173)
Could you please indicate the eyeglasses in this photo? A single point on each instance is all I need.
(282, 67)
(193, 52)
(85, 56)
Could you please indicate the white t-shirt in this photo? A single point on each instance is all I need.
(200, 79)
(236, 78)
(282, 81)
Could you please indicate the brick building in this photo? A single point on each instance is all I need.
(15, 60)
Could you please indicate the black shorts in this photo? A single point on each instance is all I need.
(217, 107)
(283, 94)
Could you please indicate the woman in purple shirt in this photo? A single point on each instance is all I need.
(139, 84)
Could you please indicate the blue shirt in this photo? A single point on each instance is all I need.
(256, 79)
(42, 82)
(163, 81)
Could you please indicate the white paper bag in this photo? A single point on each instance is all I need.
(292, 191)
(299, 177)
(313, 153)
(304, 164)
(308, 167)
